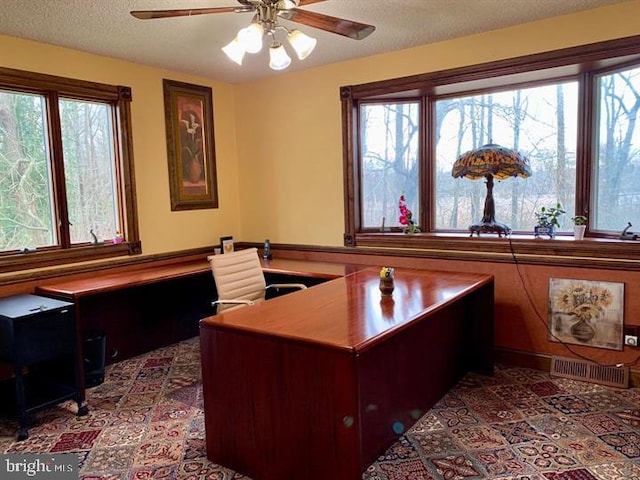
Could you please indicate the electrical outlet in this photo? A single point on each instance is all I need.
(631, 335)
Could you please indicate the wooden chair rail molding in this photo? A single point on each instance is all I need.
(589, 253)
(561, 251)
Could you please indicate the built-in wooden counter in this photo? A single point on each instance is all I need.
(148, 307)
(107, 282)
(308, 268)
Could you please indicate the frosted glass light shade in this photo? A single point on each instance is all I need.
(278, 58)
(301, 43)
(251, 38)
(234, 51)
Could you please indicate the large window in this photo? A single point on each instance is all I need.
(66, 171)
(578, 124)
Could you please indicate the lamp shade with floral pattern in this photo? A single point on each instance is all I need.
(490, 161)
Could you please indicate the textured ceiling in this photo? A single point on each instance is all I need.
(192, 44)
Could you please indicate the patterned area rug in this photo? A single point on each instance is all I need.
(146, 421)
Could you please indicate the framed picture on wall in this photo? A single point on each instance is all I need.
(586, 312)
(226, 244)
(188, 111)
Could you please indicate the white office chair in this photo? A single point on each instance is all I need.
(239, 279)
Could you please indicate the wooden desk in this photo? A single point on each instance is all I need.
(153, 306)
(318, 383)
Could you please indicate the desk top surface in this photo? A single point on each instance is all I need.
(104, 282)
(349, 312)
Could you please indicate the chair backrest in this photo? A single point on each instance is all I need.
(238, 276)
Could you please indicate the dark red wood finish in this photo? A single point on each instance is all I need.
(317, 383)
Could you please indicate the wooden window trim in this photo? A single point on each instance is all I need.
(582, 61)
(120, 97)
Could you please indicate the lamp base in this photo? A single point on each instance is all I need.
(489, 227)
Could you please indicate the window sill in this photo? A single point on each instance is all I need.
(54, 257)
(560, 251)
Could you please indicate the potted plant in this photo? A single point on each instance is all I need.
(579, 226)
(548, 220)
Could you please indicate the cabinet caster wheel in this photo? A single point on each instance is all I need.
(83, 410)
(23, 434)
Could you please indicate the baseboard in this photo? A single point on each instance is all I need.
(542, 362)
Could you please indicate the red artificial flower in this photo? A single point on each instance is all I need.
(405, 213)
(406, 217)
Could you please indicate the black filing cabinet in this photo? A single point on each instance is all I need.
(38, 337)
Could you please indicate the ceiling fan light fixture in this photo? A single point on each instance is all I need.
(278, 58)
(234, 51)
(250, 38)
(265, 22)
(288, 4)
(301, 43)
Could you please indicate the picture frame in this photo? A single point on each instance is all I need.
(586, 312)
(226, 244)
(188, 111)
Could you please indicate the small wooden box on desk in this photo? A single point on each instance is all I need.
(38, 337)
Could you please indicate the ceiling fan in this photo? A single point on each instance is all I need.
(269, 10)
(265, 22)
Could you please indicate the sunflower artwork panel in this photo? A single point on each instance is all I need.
(585, 312)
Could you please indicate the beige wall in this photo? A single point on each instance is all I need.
(290, 146)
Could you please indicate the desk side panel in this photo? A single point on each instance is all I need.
(404, 376)
(407, 374)
(291, 413)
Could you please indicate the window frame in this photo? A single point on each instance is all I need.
(582, 63)
(119, 97)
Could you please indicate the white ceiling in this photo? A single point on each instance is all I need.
(192, 44)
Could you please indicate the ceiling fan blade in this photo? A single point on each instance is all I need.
(309, 2)
(347, 28)
(149, 14)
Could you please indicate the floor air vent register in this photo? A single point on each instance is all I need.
(586, 371)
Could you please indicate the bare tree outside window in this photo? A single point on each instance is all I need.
(617, 167)
(390, 152)
(87, 142)
(26, 213)
(538, 122)
(26, 183)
